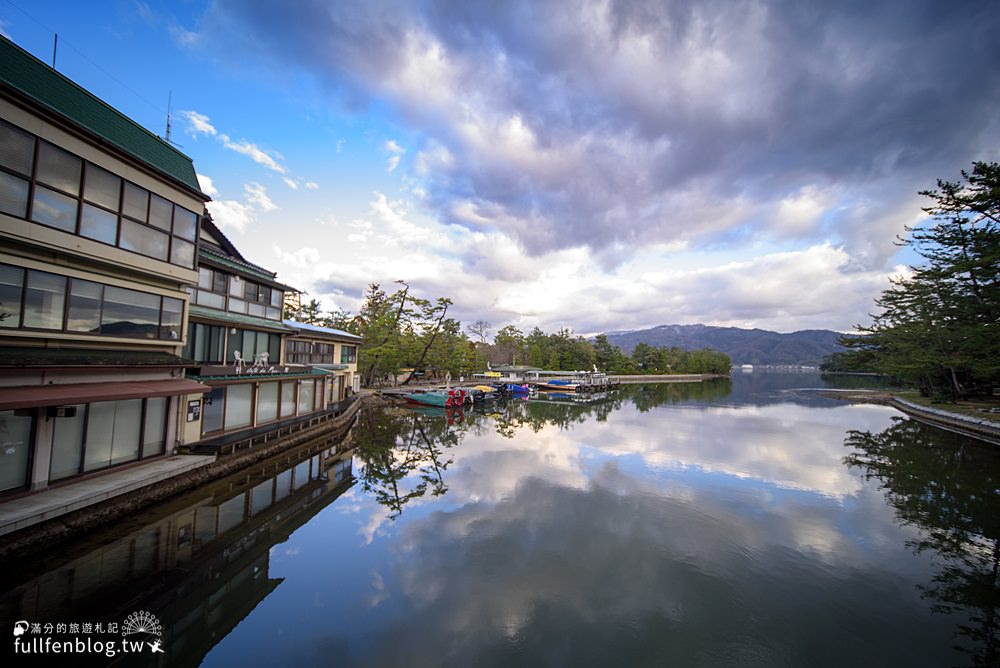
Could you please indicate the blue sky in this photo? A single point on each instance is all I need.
(593, 165)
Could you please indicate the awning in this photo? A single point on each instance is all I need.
(35, 396)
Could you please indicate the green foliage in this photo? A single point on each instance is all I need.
(939, 327)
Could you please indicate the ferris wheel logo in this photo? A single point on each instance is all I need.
(142, 622)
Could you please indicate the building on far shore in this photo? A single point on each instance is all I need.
(98, 235)
(331, 350)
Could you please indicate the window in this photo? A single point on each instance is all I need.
(11, 285)
(288, 398)
(85, 305)
(238, 405)
(107, 433)
(63, 179)
(205, 343)
(130, 313)
(91, 308)
(211, 412)
(44, 300)
(16, 431)
(348, 354)
(17, 149)
(267, 402)
(307, 393)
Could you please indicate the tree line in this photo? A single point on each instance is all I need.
(938, 328)
(402, 331)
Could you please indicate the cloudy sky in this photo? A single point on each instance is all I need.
(594, 165)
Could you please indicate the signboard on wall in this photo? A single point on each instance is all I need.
(194, 410)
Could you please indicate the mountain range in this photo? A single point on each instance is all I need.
(744, 346)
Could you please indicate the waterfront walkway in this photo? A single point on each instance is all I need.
(34, 508)
(982, 428)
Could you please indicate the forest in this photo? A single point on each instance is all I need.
(403, 331)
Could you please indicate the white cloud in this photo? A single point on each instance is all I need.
(207, 186)
(257, 195)
(290, 183)
(231, 215)
(304, 257)
(392, 163)
(198, 124)
(254, 152)
(312, 185)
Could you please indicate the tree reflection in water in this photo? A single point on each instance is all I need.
(404, 453)
(947, 486)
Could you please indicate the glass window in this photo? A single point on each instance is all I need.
(185, 223)
(102, 187)
(238, 405)
(67, 444)
(100, 432)
(219, 282)
(250, 290)
(235, 286)
(59, 169)
(288, 399)
(99, 224)
(216, 340)
(211, 410)
(348, 354)
(11, 283)
(267, 402)
(256, 309)
(182, 254)
(13, 195)
(129, 313)
(85, 307)
(249, 345)
(54, 209)
(125, 441)
(272, 313)
(17, 149)
(234, 344)
(237, 305)
(204, 278)
(211, 299)
(155, 430)
(170, 321)
(44, 300)
(136, 202)
(274, 348)
(141, 239)
(160, 212)
(15, 434)
(276, 297)
(307, 389)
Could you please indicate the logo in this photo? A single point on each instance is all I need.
(142, 622)
(20, 628)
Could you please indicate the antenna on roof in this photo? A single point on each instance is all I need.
(167, 137)
(169, 95)
(55, 45)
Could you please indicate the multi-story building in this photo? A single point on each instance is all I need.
(236, 336)
(332, 350)
(99, 222)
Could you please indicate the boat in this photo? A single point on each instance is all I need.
(560, 385)
(439, 398)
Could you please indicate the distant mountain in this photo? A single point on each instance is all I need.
(744, 346)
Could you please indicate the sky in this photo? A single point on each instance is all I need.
(600, 166)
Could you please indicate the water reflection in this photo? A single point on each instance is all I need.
(201, 564)
(946, 486)
(705, 524)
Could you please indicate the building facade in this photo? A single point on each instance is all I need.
(331, 350)
(99, 223)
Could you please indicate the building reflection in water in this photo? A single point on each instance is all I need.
(200, 568)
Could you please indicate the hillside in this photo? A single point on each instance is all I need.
(744, 346)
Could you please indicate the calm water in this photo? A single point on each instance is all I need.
(743, 523)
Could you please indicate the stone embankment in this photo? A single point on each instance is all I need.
(65, 526)
(665, 378)
(983, 429)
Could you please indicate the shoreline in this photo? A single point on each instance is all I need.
(984, 430)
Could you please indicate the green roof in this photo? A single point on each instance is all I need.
(196, 311)
(45, 86)
(243, 267)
